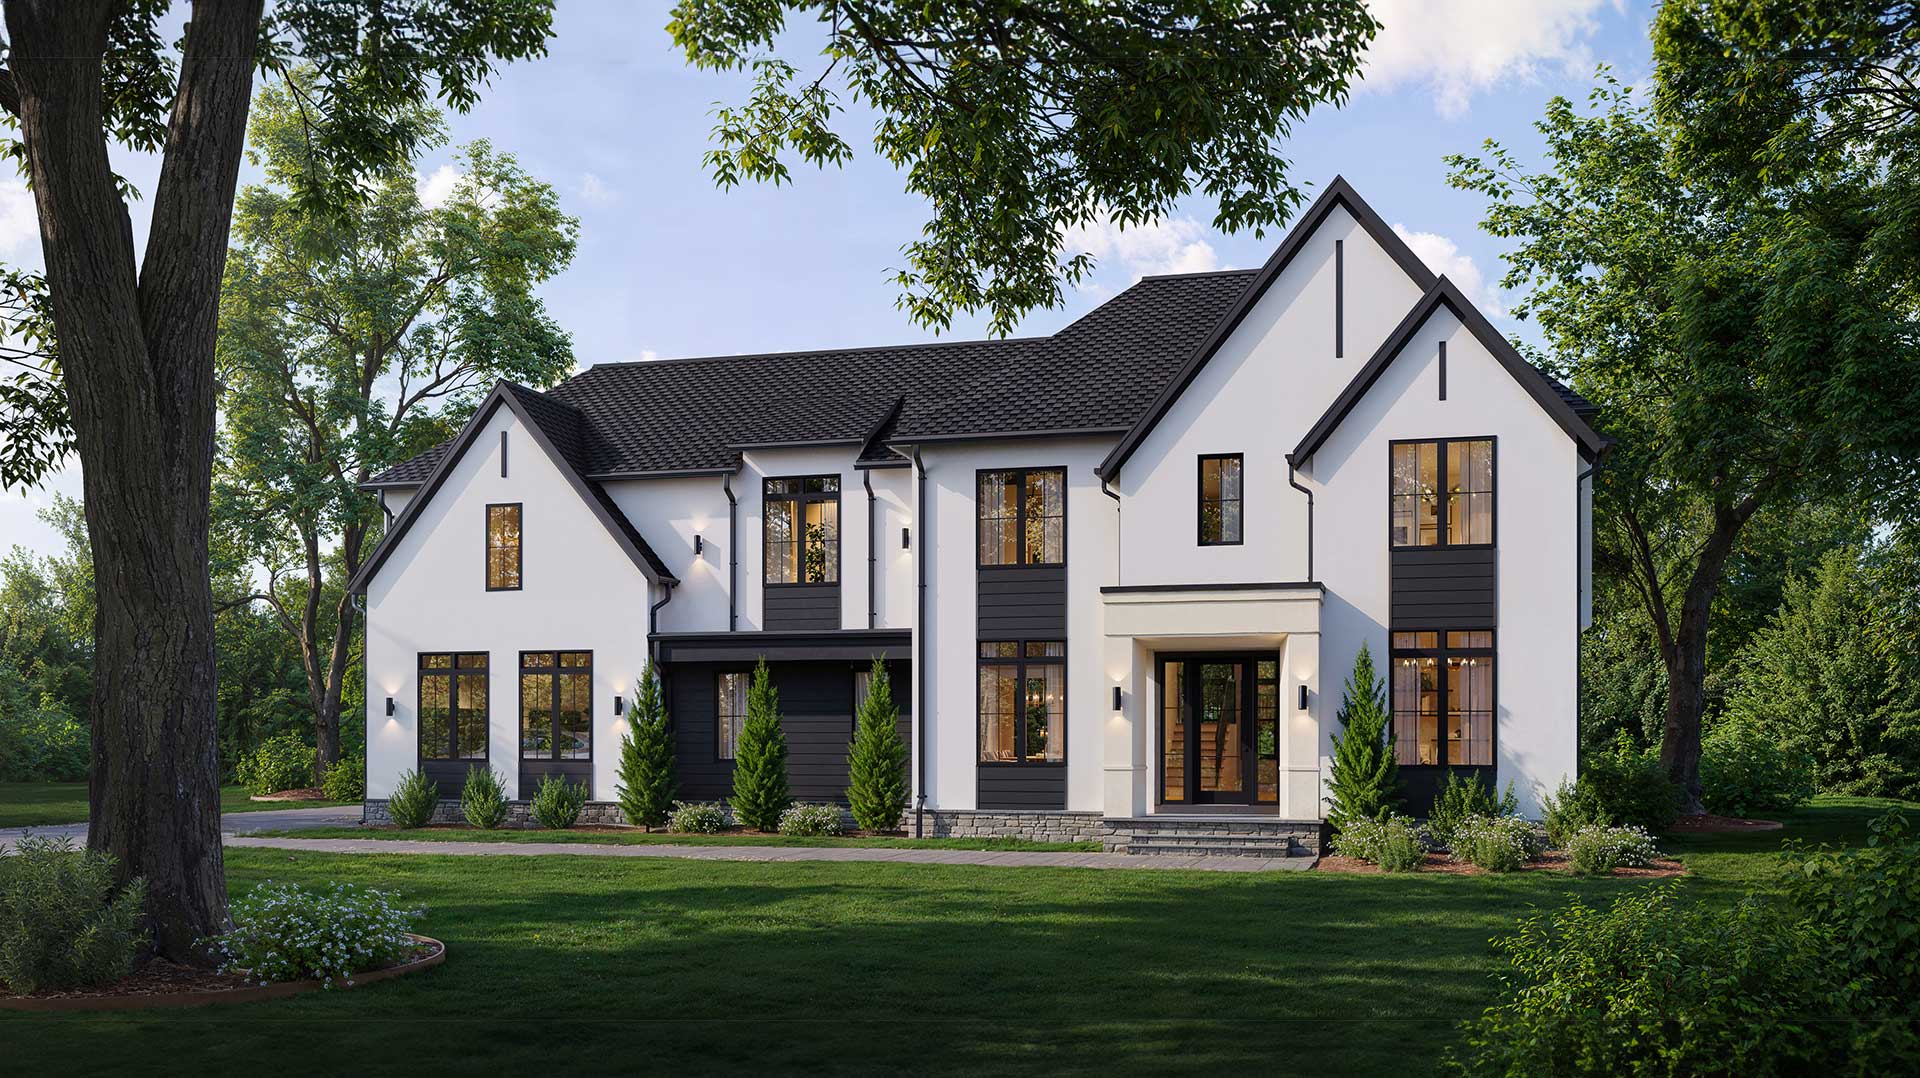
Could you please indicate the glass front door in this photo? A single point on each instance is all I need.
(1218, 738)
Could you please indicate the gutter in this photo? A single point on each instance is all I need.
(733, 549)
(1118, 561)
(1295, 484)
(920, 650)
(653, 621)
(1578, 579)
(866, 480)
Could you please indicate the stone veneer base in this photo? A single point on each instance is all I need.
(519, 813)
(1037, 826)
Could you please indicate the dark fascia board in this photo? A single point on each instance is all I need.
(1338, 193)
(1445, 294)
(1002, 436)
(401, 484)
(1275, 585)
(667, 473)
(502, 395)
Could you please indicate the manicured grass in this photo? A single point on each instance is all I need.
(590, 965)
(35, 804)
(663, 838)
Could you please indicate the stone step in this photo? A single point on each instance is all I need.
(1210, 840)
(1266, 850)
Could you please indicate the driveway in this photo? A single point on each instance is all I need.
(230, 824)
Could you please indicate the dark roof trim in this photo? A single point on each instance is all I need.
(1003, 435)
(398, 485)
(602, 507)
(669, 473)
(817, 443)
(1338, 193)
(1275, 585)
(1443, 293)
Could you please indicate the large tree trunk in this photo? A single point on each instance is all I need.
(136, 353)
(1686, 658)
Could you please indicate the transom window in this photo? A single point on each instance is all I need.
(1023, 702)
(556, 705)
(1023, 517)
(1442, 492)
(802, 528)
(1220, 516)
(503, 547)
(731, 711)
(1443, 681)
(453, 705)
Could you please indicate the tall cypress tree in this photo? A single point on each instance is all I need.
(877, 763)
(646, 757)
(760, 792)
(1365, 777)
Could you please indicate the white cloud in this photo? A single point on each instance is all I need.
(1461, 47)
(595, 192)
(19, 223)
(436, 189)
(1174, 245)
(1443, 256)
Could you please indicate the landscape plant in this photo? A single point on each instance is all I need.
(808, 821)
(284, 932)
(1631, 786)
(1465, 796)
(1868, 899)
(1569, 808)
(557, 803)
(1597, 849)
(347, 779)
(1365, 778)
(413, 801)
(646, 779)
(1743, 771)
(483, 799)
(1497, 843)
(697, 818)
(760, 791)
(64, 920)
(1395, 843)
(877, 762)
(283, 762)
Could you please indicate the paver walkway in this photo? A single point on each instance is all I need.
(918, 856)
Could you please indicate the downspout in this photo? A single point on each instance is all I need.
(384, 509)
(733, 549)
(1578, 578)
(653, 624)
(1295, 484)
(360, 603)
(866, 480)
(1118, 561)
(920, 650)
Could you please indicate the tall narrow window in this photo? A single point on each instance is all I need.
(556, 705)
(453, 705)
(1443, 698)
(1023, 517)
(731, 712)
(1441, 493)
(1023, 702)
(1220, 516)
(801, 524)
(503, 547)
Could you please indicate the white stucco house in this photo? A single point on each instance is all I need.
(1119, 572)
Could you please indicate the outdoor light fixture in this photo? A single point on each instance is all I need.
(618, 705)
(699, 543)
(904, 535)
(1116, 697)
(1303, 697)
(389, 707)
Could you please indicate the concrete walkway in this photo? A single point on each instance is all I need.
(916, 856)
(287, 819)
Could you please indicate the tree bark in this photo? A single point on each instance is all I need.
(136, 351)
(1686, 656)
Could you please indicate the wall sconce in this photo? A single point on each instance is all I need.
(1116, 697)
(699, 544)
(905, 535)
(1303, 697)
(618, 705)
(389, 707)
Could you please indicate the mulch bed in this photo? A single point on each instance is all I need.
(1440, 864)
(307, 793)
(1709, 824)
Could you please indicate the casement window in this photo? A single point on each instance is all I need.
(1023, 517)
(801, 524)
(453, 705)
(556, 705)
(1023, 702)
(730, 710)
(1443, 693)
(1220, 508)
(503, 547)
(1442, 492)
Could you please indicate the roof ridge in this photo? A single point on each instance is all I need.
(1198, 273)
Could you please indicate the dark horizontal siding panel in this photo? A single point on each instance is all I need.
(449, 775)
(1023, 576)
(814, 606)
(1022, 787)
(1020, 601)
(1405, 556)
(1463, 619)
(1442, 585)
(1444, 588)
(1023, 628)
(1439, 571)
(533, 771)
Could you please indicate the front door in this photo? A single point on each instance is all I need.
(1217, 730)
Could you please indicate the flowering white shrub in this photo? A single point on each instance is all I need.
(1497, 843)
(1396, 843)
(697, 818)
(282, 932)
(1598, 850)
(807, 820)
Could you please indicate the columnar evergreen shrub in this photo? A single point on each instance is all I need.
(280, 763)
(557, 804)
(347, 779)
(646, 757)
(63, 923)
(877, 762)
(1466, 796)
(760, 792)
(1597, 850)
(1365, 777)
(1744, 771)
(413, 800)
(1497, 843)
(483, 800)
(697, 818)
(810, 820)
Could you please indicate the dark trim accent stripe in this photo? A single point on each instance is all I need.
(503, 454)
(1443, 370)
(1339, 299)
(1271, 585)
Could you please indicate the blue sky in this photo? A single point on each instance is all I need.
(670, 266)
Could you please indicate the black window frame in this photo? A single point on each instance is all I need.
(1201, 501)
(801, 500)
(1440, 653)
(450, 673)
(1020, 660)
(720, 717)
(1019, 519)
(1440, 500)
(554, 673)
(519, 546)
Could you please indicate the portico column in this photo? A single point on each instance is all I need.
(1124, 744)
(1300, 787)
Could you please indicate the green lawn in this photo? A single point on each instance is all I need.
(33, 804)
(661, 838)
(575, 965)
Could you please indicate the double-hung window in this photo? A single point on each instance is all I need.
(1023, 517)
(1443, 692)
(453, 705)
(1442, 493)
(1023, 702)
(1220, 500)
(556, 705)
(801, 522)
(503, 547)
(730, 710)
